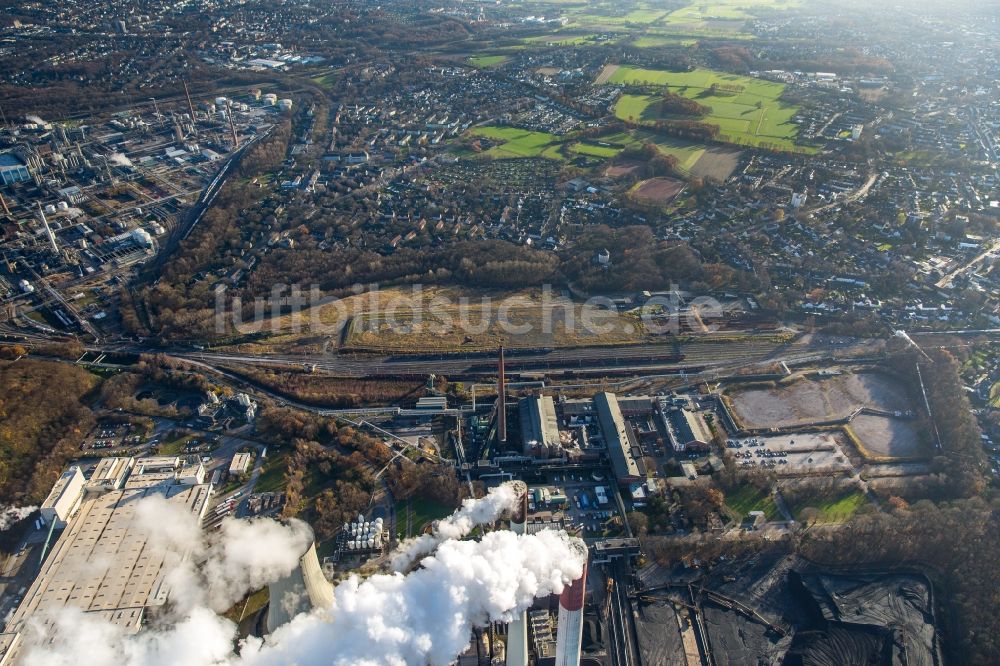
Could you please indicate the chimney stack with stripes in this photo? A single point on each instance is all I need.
(517, 630)
(569, 636)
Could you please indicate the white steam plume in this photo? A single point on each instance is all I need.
(424, 617)
(11, 515)
(216, 569)
(473, 512)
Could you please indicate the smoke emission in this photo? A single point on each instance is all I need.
(423, 617)
(11, 515)
(457, 526)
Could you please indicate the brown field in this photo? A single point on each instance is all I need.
(521, 320)
(621, 170)
(716, 163)
(606, 73)
(885, 437)
(813, 399)
(658, 190)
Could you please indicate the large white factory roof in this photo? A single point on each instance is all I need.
(101, 563)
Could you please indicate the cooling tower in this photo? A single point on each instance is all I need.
(303, 589)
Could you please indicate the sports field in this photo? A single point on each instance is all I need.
(595, 149)
(748, 111)
(520, 142)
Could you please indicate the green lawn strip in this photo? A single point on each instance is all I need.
(484, 61)
(834, 509)
(422, 513)
(748, 498)
(272, 475)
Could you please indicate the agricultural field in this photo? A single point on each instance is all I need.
(520, 143)
(748, 111)
(658, 190)
(564, 39)
(722, 17)
(695, 159)
(654, 41)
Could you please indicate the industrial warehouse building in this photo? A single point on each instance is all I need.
(100, 563)
(539, 426)
(12, 170)
(623, 450)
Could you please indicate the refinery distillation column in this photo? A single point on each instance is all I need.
(569, 636)
(517, 630)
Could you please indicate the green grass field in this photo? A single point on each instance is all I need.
(485, 61)
(724, 10)
(520, 143)
(751, 115)
(422, 512)
(834, 509)
(653, 41)
(272, 473)
(749, 498)
(594, 150)
(561, 40)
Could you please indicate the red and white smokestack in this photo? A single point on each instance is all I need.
(502, 402)
(569, 636)
(517, 630)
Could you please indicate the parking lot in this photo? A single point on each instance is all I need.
(590, 503)
(798, 453)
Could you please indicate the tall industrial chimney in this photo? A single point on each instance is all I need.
(187, 94)
(569, 634)
(501, 403)
(232, 127)
(517, 630)
(48, 231)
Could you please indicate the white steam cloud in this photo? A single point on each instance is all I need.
(427, 616)
(458, 525)
(11, 515)
(423, 617)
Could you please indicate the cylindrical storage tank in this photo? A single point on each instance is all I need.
(285, 104)
(62, 205)
(220, 101)
(270, 99)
